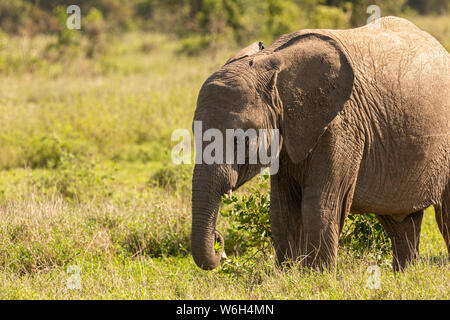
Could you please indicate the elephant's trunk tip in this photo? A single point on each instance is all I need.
(211, 260)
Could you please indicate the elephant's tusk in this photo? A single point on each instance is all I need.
(230, 193)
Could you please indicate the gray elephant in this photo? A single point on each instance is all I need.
(364, 122)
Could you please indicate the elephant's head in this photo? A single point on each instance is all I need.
(297, 86)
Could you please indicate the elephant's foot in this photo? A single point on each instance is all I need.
(320, 250)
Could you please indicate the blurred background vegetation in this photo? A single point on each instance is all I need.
(163, 48)
(203, 23)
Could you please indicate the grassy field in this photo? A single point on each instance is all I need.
(86, 182)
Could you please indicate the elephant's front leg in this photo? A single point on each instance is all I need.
(323, 219)
(327, 189)
(285, 217)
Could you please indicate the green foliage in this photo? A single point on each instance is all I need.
(249, 221)
(195, 44)
(65, 36)
(145, 239)
(237, 19)
(215, 15)
(76, 179)
(203, 25)
(282, 17)
(364, 233)
(174, 177)
(45, 152)
(324, 17)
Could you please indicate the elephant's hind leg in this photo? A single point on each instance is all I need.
(443, 217)
(405, 238)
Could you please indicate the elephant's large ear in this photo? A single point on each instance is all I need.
(246, 52)
(314, 80)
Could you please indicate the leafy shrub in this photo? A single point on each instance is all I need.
(194, 45)
(282, 17)
(249, 220)
(215, 16)
(47, 150)
(363, 233)
(324, 17)
(44, 151)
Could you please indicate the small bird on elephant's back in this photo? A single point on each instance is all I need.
(364, 122)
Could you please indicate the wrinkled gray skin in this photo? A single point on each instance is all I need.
(364, 116)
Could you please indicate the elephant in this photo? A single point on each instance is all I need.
(364, 122)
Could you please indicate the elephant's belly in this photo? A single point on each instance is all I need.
(410, 177)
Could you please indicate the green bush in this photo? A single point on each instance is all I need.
(44, 151)
(363, 233)
(324, 17)
(282, 17)
(249, 221)
(194, 45)
(215, 16)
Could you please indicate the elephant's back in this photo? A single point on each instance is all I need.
(402, 77)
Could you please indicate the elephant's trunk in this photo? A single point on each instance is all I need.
(208, 186)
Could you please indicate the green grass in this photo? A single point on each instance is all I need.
(86, 181)
(138, 250)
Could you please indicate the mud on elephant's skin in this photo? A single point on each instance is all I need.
(364, 117)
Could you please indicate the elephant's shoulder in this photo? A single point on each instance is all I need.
(396, 24)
